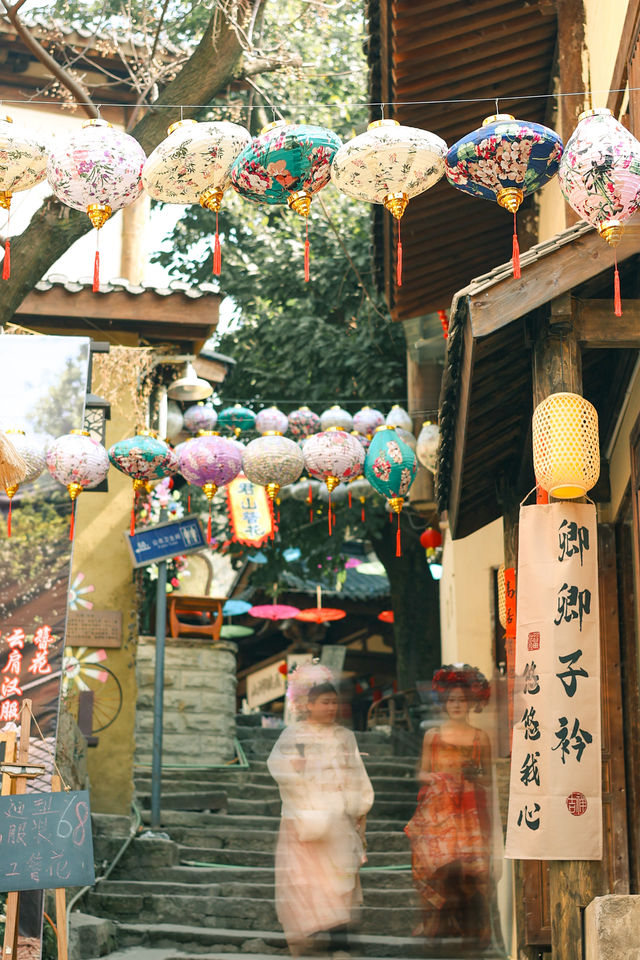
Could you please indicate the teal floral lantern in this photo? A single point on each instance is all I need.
(287, 163)
(144, 458)
(505, 160)
(390, 467)
(237, 418)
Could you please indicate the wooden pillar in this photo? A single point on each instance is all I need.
(133, 256)
(423, 390)
(571, 69)
(557, 360)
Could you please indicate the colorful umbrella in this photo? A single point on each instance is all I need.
(320, 614)
(274, 611)
(235, 608)
(386, 616)
(232, 631)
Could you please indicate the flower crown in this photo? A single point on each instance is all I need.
(301, 682)
(462, 675)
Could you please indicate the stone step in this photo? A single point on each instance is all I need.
(266, 839)
(397, 809)
(188, 800)
(364, 738)
(190, 818)
(90, 937)
(262, 858)
(385, 788)
(260, 749)
(394, 766)
(262, 878)
(258, 782)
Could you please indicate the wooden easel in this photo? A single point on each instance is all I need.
(15, 773)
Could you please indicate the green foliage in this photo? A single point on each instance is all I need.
(60, 410)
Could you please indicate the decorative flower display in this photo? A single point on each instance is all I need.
(200, 416)
(366, 420)
(78, 462)
(390, 468)
(335, 416)
(271, 419)
(462, 675)
(303, 422)
(398, 417)
(273, 461)
(237, 418)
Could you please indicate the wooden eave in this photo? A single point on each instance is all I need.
(486, 400)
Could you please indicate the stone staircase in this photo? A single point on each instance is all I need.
(204, 887)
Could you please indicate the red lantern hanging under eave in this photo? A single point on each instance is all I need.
(431, 538)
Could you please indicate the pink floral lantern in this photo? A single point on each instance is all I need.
(366, 420)
(271, 420)
(78, 462)
(599, 177)
(98, 170)
(303, 422)
(144, 458)
(23, 164)
(209, 462)
(333, 456)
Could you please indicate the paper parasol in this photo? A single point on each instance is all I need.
(386, 616)
(235, 608)
(232, 631)
(320, 614)
(274, 611)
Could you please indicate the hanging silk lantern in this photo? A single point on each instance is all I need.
(303, 422)
(389, 164)
(333, 456)
(32, 453)
(505, 160)
(144, 458)
(272, 461)
(407, 436)
(193, 165)
(566, 446)
(210, 462)
(398, 417)
(78, 462)
(431, 538)
(271, 420)
(427, 445)
(175, 420)
(237, 418)
(200, 416)
(364, 441)
(96, 169)
(304, 491)
(360, 489)
(600, 178)
(23, 164)
(391, 468)
(287, 163)
(337, 418)
(366, 420)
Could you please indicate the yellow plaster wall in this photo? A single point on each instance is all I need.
(551, 211)
(604, 20)
(620, 463)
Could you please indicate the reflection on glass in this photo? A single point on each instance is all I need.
(326, 795)
(451, 830)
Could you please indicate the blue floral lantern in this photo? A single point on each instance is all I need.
(143, 458)
(390, 467)
(505, 160)
(287, 163)
(237, 418)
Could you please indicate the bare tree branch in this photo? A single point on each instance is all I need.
(160, 22)
(267, 64)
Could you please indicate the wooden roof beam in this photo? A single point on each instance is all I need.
(597, 328)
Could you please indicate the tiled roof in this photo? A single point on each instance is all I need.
(120, 284)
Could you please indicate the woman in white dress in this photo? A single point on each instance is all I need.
(326, 795)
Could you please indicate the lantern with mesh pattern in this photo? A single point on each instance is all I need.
(566, 448)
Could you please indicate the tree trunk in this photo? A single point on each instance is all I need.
(54, 227)
(416, 605)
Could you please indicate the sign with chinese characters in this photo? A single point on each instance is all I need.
(250, 512)
(555, 805)
(267, 684)
(163, 541)
(94, 628)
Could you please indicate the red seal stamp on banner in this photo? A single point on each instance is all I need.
(533, 641)
(576, 804)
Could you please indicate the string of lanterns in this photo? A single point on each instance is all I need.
(99, 169)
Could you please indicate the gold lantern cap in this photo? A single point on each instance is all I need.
(96, 122)
(206, 433)
(611, 231)
(6, 118)
(179, 123)
(383, 123)
(80, 433)
(495, 117)
(274, 125)
(272, 433)
(384, 426)
(427, 423)
(595, 112)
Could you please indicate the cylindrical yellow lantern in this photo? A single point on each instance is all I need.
(502, 599)
(566, 448)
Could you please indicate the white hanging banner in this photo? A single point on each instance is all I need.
(555, 796)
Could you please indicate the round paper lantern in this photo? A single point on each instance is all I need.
(23, 164)
(333, 456)
(408, 437)
(200, 416)
(175, 420)
(193, 165)
(271, 420)
(566, 447)
(431, 538)
(390, 468)
(237, 418)
(78, 462)
(360, 489)
(366, 420)
(398, 417)
(273, 461)
(32, 453)
(96, 169)
(599, 177)
(210, 461)
(363, 440)
(303, 422)
(389, 164)
(336, 417)
(338, 495)
(505, 160)
(427, 445)
(143, 458)
(287, 163)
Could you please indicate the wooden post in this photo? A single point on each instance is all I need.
(12, 909)
(571, 45)
(61, 898)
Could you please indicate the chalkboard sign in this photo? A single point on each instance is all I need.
(45, 841)
(166, 540)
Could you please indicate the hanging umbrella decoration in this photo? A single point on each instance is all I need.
(391, 468)
(505, 160)
(210, 462)
(96, 169)
(274, 611)
(333, 456)
(273, 461)
(193, 165)
(32, 454)
(336, 417)
(389, 164)
(78, 462)
(287, 164)
(200, 416)
(599, 177)
(23, 164)
(144, 458)
(303, 422)
(386, 616)
(237, 419)
(271, 420)
(320, 614)
(366, 420)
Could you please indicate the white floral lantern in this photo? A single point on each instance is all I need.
(23, 164)
(273, 461)
(175, 420)
(98, 170)
(366, 420)
(333, 456)
(336, 417)
(389, 164)
(200, 416)
(271, 420)
(193, 165)
(427, 445)
(78, 462)
(303, 422)
(398, 417)
(408, 437)
(32, 452)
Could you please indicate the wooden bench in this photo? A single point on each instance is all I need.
(210, 608)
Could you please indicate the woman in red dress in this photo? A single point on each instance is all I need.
(450, 832)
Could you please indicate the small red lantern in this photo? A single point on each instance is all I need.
(431, 538)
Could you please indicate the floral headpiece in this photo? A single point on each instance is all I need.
(462, 675)
(300, 683)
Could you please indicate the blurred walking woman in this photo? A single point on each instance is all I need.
(326, 795)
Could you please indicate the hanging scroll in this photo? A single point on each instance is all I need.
(250, 512)
(555, 805)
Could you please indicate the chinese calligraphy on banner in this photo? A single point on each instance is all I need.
(250, 512)
(555, 806)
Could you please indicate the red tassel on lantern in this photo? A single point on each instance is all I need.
(9, 517)
(349, 492)
(516, 251)
(209, 525)
(617, 299)
(399, 259)
(310, 516)
(72, 524)
(96, 272)
(307, 274)
(217, 252)
(362, 514)
(189, 503)
(330, 530)
(6, 263)
(398, 540)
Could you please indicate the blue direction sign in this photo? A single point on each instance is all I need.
(166, 540)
